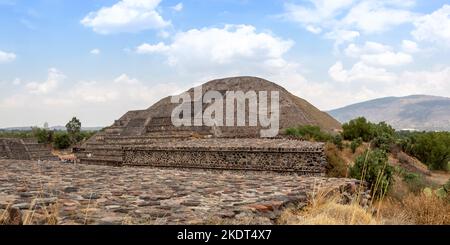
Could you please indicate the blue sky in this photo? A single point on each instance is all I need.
(97, 59)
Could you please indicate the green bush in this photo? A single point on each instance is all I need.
(62, 140)
(20, 134)
(358, 128)
(367, 131)
(383, 141)
(355, 144)
(372, 166)
(43, 135)
(338, 141)
(309, 132)
(432, 148)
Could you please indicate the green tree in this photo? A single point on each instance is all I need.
(358, 128)
(73, 126)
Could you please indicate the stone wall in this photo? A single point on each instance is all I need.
(233, 154)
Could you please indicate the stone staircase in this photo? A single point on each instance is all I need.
(25, 149)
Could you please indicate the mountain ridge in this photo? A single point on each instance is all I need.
(413, 112)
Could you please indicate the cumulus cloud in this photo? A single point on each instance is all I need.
(345, 20)
(97, 103)
(178, 7)
(434, 27)
(360, 72)
(199, 49)
(409, 46)
(6, 57)
(126, 16)
(146, 48)
(377, 54)
(376, 16)
(54, 78)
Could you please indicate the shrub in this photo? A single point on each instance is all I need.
(415, 182)
(361, 128)
(358, 128)
(355, 144)
(43, 135)
(309, 132)
(432, 148)
(427, 209)
(372, 166)
(62, 140)
(337, 140)
(337, 167)
(383, 141)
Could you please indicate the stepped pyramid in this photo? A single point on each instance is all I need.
(24, 149)
(148, 137)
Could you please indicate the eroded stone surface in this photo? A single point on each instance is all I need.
(89, 194)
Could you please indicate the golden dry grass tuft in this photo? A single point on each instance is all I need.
(418, 209)
(326, 209)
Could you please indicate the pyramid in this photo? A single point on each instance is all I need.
(146, 137)
(25, 149)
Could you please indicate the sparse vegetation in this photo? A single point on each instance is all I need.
(432, 148)
(373, 167)
(58, 139)
(336, 165)
(309, 132)
(355, 144)
(62, 140)
(367, 131)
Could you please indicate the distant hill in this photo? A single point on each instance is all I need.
(57, 128)
(415, 112)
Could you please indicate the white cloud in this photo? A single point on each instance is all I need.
(96, 103)
(387, 59)
(434, 27)
(377, 54)
(227, 47)
(313, 29)
(53, 79)
(369, 48)
(341, 37)
(409, 46)
(95, 51)
(344, 20)
(360, 72)
(178, 7)
(320, 13)
(146, 48)
(376, 17)
(6, 57)
(126, 16)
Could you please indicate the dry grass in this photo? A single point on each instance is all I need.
(338, 166)
(327, 209)
(416, 209)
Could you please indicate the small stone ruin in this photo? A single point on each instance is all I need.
(25, 149)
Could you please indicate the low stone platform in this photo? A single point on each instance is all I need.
(90, 194)
(279, 155)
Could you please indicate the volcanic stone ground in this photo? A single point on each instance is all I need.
(84, 194)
